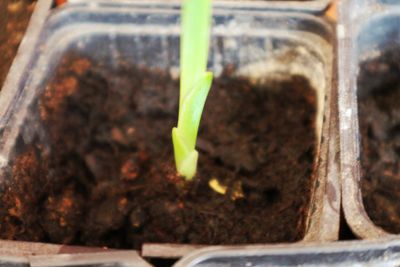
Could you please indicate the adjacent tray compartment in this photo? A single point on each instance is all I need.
(363, 35)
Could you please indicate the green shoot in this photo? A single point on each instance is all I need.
(194, 85)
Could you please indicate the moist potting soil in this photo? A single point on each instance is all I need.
(99, 169)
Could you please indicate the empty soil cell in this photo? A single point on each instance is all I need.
(100, 171)
(14, 19)
(379, 120)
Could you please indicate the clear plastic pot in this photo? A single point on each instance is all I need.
(348, 253)
(25, 51)
(258, 45)
(29, 254)
(309, 6)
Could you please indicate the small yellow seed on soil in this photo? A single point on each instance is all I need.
(236, 192)
(217, 186)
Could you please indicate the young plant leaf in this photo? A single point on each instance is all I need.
(195, 83)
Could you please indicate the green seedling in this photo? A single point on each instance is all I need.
(194, 85)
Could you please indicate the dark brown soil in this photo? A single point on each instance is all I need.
(14, 19)
(379, 115)
(101, 171)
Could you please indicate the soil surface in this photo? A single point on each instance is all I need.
(14, 19)
(379, 115)
(100, 171)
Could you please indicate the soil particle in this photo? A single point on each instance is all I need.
(62, 213)
(379, 116)
(109, 178)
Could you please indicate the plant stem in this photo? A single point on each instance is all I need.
(194, 85)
